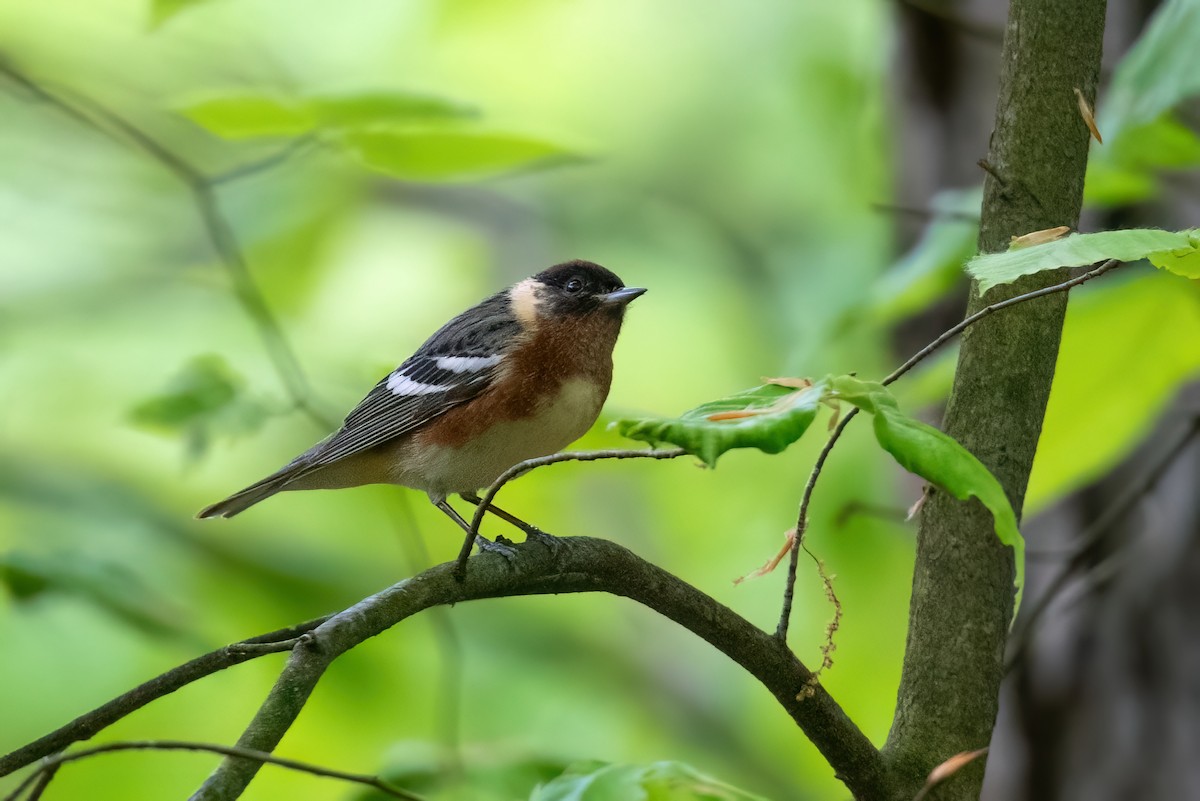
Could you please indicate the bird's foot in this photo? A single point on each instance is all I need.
(535, 534)
(500, 546)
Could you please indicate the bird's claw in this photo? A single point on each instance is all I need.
(537, 535)
(500, 546)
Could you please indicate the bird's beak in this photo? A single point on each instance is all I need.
(622, 296)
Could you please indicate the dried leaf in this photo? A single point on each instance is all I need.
(831, 628)
(1038, 237)
(740, 414)
(779, 406)
(947, 769)
(834, 418)
(773, 562)
(787, 381)
(1089, 119)
(828, 646)
(917, 506)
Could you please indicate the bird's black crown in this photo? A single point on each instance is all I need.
(579, 287)
(593, 278)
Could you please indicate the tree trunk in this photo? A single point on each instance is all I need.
(962, 600)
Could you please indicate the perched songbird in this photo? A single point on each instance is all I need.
(523, 374)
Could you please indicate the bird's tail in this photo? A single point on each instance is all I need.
(243, 500)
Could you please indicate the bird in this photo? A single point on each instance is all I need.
(522, 374)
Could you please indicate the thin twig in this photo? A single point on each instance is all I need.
(52, 764)
(100, 118)
(987, 167)
(785, 614)
(524, 467)
(289, 151)
(47, 776)
(262, 648)
(88, 725)
(802, 518)
(924, 352)
(1022, 634)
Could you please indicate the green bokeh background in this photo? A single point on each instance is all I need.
(734, 151)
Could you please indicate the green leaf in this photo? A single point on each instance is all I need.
(660, 781)
(1128, 345)
(933, 265)
(1185, 262)
(769, 417)
(1174, 249)
(935, 457)
(448, 155)
(162, 10)
(1160, 70)
(205, 398)
(243, 115)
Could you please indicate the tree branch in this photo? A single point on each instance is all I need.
(578, 564)
(88, 725)
(50, 766)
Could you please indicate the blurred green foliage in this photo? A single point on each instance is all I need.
(728, 160)
(204, 398)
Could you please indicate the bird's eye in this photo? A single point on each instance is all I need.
(574, 285)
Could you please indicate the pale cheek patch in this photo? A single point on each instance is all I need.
(466, 364)
(525, 302)
(400, 384)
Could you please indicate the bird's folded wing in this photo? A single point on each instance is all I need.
(457, 363)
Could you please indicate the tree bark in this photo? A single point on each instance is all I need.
(962, 599)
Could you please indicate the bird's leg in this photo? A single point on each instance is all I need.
(483, 542)
(531, 531)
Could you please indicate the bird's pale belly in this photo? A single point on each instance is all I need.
(444, 470)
